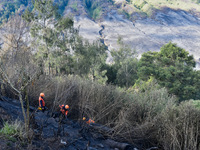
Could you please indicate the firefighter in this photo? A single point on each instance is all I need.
(64, 109)
(88, 120)
(41, 102)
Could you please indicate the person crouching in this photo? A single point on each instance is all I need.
(88, 120)
(64, 109)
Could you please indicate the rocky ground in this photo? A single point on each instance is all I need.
(141, 33)
(49, 134)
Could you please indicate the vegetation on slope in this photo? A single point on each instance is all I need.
(69, 70)
(174, 4)
(149, 6)
(173, 68)
(11, 7)
(94, 8)
(13, 129)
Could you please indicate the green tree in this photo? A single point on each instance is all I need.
(52, 35)
(61, 5)
(170, 54)
(10, 8)
(173, 68)
(147, 65)
(127, 73)
(125, 62)
(93, 8)
(43, 18)
(111, 73)
(89, 59)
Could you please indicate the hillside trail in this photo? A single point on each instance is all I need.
(52, 134)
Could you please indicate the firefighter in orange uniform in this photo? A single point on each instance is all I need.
(64, 109)
(88, 121)
(41, 102)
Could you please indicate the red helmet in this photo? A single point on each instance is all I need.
(42, 94)
(66, 106)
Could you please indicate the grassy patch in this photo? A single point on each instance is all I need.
(196, 103)
(96, 13)
(126, 14)
(8, 129)
(93, 8)
(148, 6)
(74, 6)
(12, 129)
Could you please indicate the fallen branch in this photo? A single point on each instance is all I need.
(121, 146)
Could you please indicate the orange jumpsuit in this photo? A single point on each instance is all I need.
(63, 110)
(88, 121)
(42, 103)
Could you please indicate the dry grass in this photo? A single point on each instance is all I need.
(180, 128)
(148, 6)
(147, 117)
(174, 4)
(85, 98)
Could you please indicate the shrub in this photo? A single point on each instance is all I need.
(146, 116)
(14, 128)
(96, 13)
(74, 6)
(196, 103)
(179, 127)
(100, 102)
(137, 121)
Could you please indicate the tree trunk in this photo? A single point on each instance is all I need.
(27, 109)
(23, 111)
(121, 146)
(3, 91)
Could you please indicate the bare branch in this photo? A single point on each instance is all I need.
(7, 80)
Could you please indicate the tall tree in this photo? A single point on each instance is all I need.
(51, 33)
(42, 19)
(89, 58)
(125, 62)
(173, 68)
(17, 68)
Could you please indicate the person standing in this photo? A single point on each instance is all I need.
(41, 102)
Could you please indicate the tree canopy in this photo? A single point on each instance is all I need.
(173, 67)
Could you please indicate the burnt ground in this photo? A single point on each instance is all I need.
(49, 133)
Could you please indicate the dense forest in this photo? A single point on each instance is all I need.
(10, 7)
(153, 100)
(94, 7)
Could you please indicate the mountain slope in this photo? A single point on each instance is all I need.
(143, 24)
(49, 133)
(137, 30)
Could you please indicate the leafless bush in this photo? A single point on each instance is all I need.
(137, 121)
(149, 118)
(17, 68)
(180, 128)
(85, 98)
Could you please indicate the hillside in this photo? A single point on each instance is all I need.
(148, 6)
(148, 98)
(141, 28)
(49, 133)
(145, 25)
